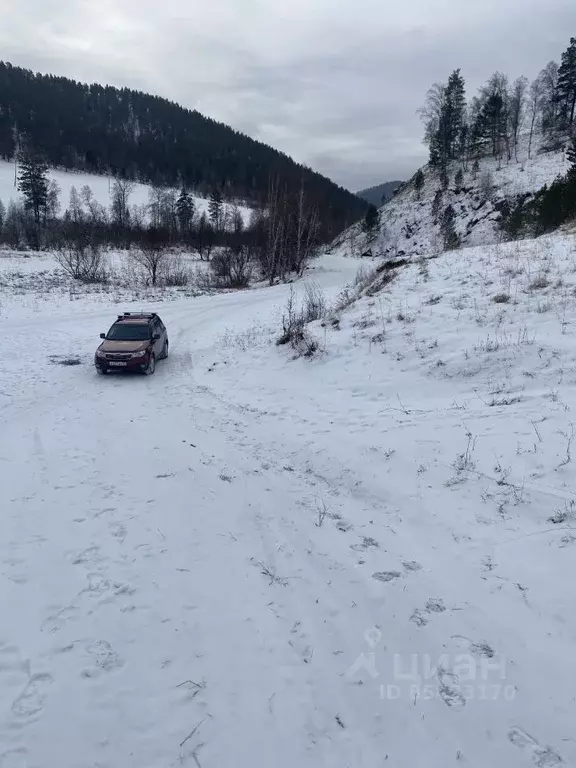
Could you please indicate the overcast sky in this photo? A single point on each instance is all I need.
(334, 83)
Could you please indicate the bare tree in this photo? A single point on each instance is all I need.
(121, 191)
(273, 253)
(535, 94)
(517, 105)
(307, 226)
(152, 253)
(548, 102)
(81, 257)
(96, 212)
(75, 211)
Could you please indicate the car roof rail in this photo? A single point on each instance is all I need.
(137, 314)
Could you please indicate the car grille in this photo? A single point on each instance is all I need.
(118, 355)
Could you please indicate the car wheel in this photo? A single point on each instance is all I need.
(101, 371)
(165, 352)
(151, 365)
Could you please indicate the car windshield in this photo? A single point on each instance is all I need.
(128, 332)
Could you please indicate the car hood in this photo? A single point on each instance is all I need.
(108, 345)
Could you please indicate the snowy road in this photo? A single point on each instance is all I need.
(195, 576)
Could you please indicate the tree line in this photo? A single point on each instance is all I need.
(490, 124)
(139, 137)
(278, 237)
(494, 123)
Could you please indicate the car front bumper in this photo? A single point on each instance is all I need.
(134, 364)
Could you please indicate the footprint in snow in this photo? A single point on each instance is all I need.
(480, 648)
(55, 622)
(412, 566)
(104, 657)
(31, 701)
(386, 576)
(419, 618)
(450, 690)
(435, 606)
(543, 757)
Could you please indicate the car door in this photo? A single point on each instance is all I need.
(159, 343)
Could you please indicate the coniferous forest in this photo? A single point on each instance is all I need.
(540, 115)
(136, 136)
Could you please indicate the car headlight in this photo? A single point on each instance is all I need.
(142, 353)
(99, 353)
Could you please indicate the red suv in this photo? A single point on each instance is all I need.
(134, 343)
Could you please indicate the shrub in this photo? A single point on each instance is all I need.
(82, 259)
(294, 320)
(539, 283)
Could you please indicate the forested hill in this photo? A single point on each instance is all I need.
(101, 129)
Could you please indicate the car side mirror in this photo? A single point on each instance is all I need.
(156, 337)
(102, 335)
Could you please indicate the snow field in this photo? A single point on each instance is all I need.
(247, 559)
(100, 185)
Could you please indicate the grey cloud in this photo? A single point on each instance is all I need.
(335, 84)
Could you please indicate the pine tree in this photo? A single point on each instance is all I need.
(489, 131)
(455, 112)
(33, 183)
(419, 181)
(2, 215)
(448, 229)
(475, 168)
(459, 179)
(436, 203)
(566, 87)
(371, 223)
(444, 115)
(185, 211)
(571, 155)
(215, 208)
(444, 178)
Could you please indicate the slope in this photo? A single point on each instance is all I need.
(251, 560)
(410, 226)
(100, 129)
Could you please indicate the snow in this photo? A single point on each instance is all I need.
(252, 560)
(409, 227)
(100, 186)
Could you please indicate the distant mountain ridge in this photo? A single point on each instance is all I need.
(122, 132)
(379, 194)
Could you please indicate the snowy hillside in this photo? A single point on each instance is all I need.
(409, 226)
(100, 186)
(359, 560)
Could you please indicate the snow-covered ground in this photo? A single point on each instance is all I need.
(409, 226)
(250, 560)
(100, 186)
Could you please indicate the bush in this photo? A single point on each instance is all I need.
(314, 307)
(540, 283)
(82, 259)
(501, 298)
(294, 320)
(232, 268)
(176, 273)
